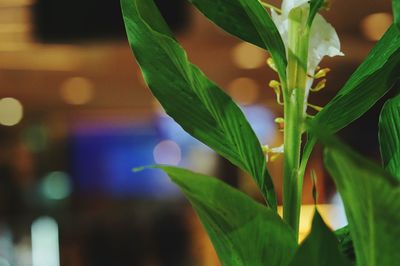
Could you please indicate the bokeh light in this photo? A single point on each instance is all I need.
(77, 90)
(245, 91)
(247, 56)
(4, 262)
(35, 137)
(11, 111)
(56, 186)
(167, 152)
(45, 244)
(375, 25)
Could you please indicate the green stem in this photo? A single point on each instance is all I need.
(295, 101)
(292, 140)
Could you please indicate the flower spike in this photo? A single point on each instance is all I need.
(323, 41)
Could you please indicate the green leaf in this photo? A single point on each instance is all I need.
(396, 11)
(366, 86)
(346, 243)
(249, 21)
(371, 199)
(389, 136)
(242, 231)
(320, 248)
(197, 104)
(315, 6)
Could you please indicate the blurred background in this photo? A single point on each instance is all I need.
(76, 118)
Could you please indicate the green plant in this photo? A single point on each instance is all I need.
(243, 231)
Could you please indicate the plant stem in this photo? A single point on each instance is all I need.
(295, 102)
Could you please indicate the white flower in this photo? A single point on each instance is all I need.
(324, 40)
(275, 152)
(288, 5)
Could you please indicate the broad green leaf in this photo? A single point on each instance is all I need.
(196, 103)
(366, 86)
(371, 197)
(249, 21)
(396, 11)
(242, 231)
(320, 248)
(346, 243)
(315, 6)
(389, 136)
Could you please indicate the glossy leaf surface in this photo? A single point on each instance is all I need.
(366, 86)
(389, 136)
(315, 6)
(346, 243)
(320, 248)
(196, 103)
(371, 197)
(242, 231)
(249, 21)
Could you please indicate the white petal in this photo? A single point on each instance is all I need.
(282, 23)
(276, 150)
(288, 5)
(324, 41)
(279, 149)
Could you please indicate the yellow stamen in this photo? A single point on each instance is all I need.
(271, 64)
(315, 107)
(274, 157)
(322, 73)
(321, 85)
(275, 152)
(276, 86)
(265, 149)
(281, 123)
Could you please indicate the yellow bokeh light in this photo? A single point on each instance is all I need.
(77, 91)
(248, 56)
(244, 90)
(375, 25)
(11, 111)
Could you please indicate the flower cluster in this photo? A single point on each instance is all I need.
(324, 40)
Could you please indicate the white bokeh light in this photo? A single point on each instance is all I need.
(45, 243)
(167, 152)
